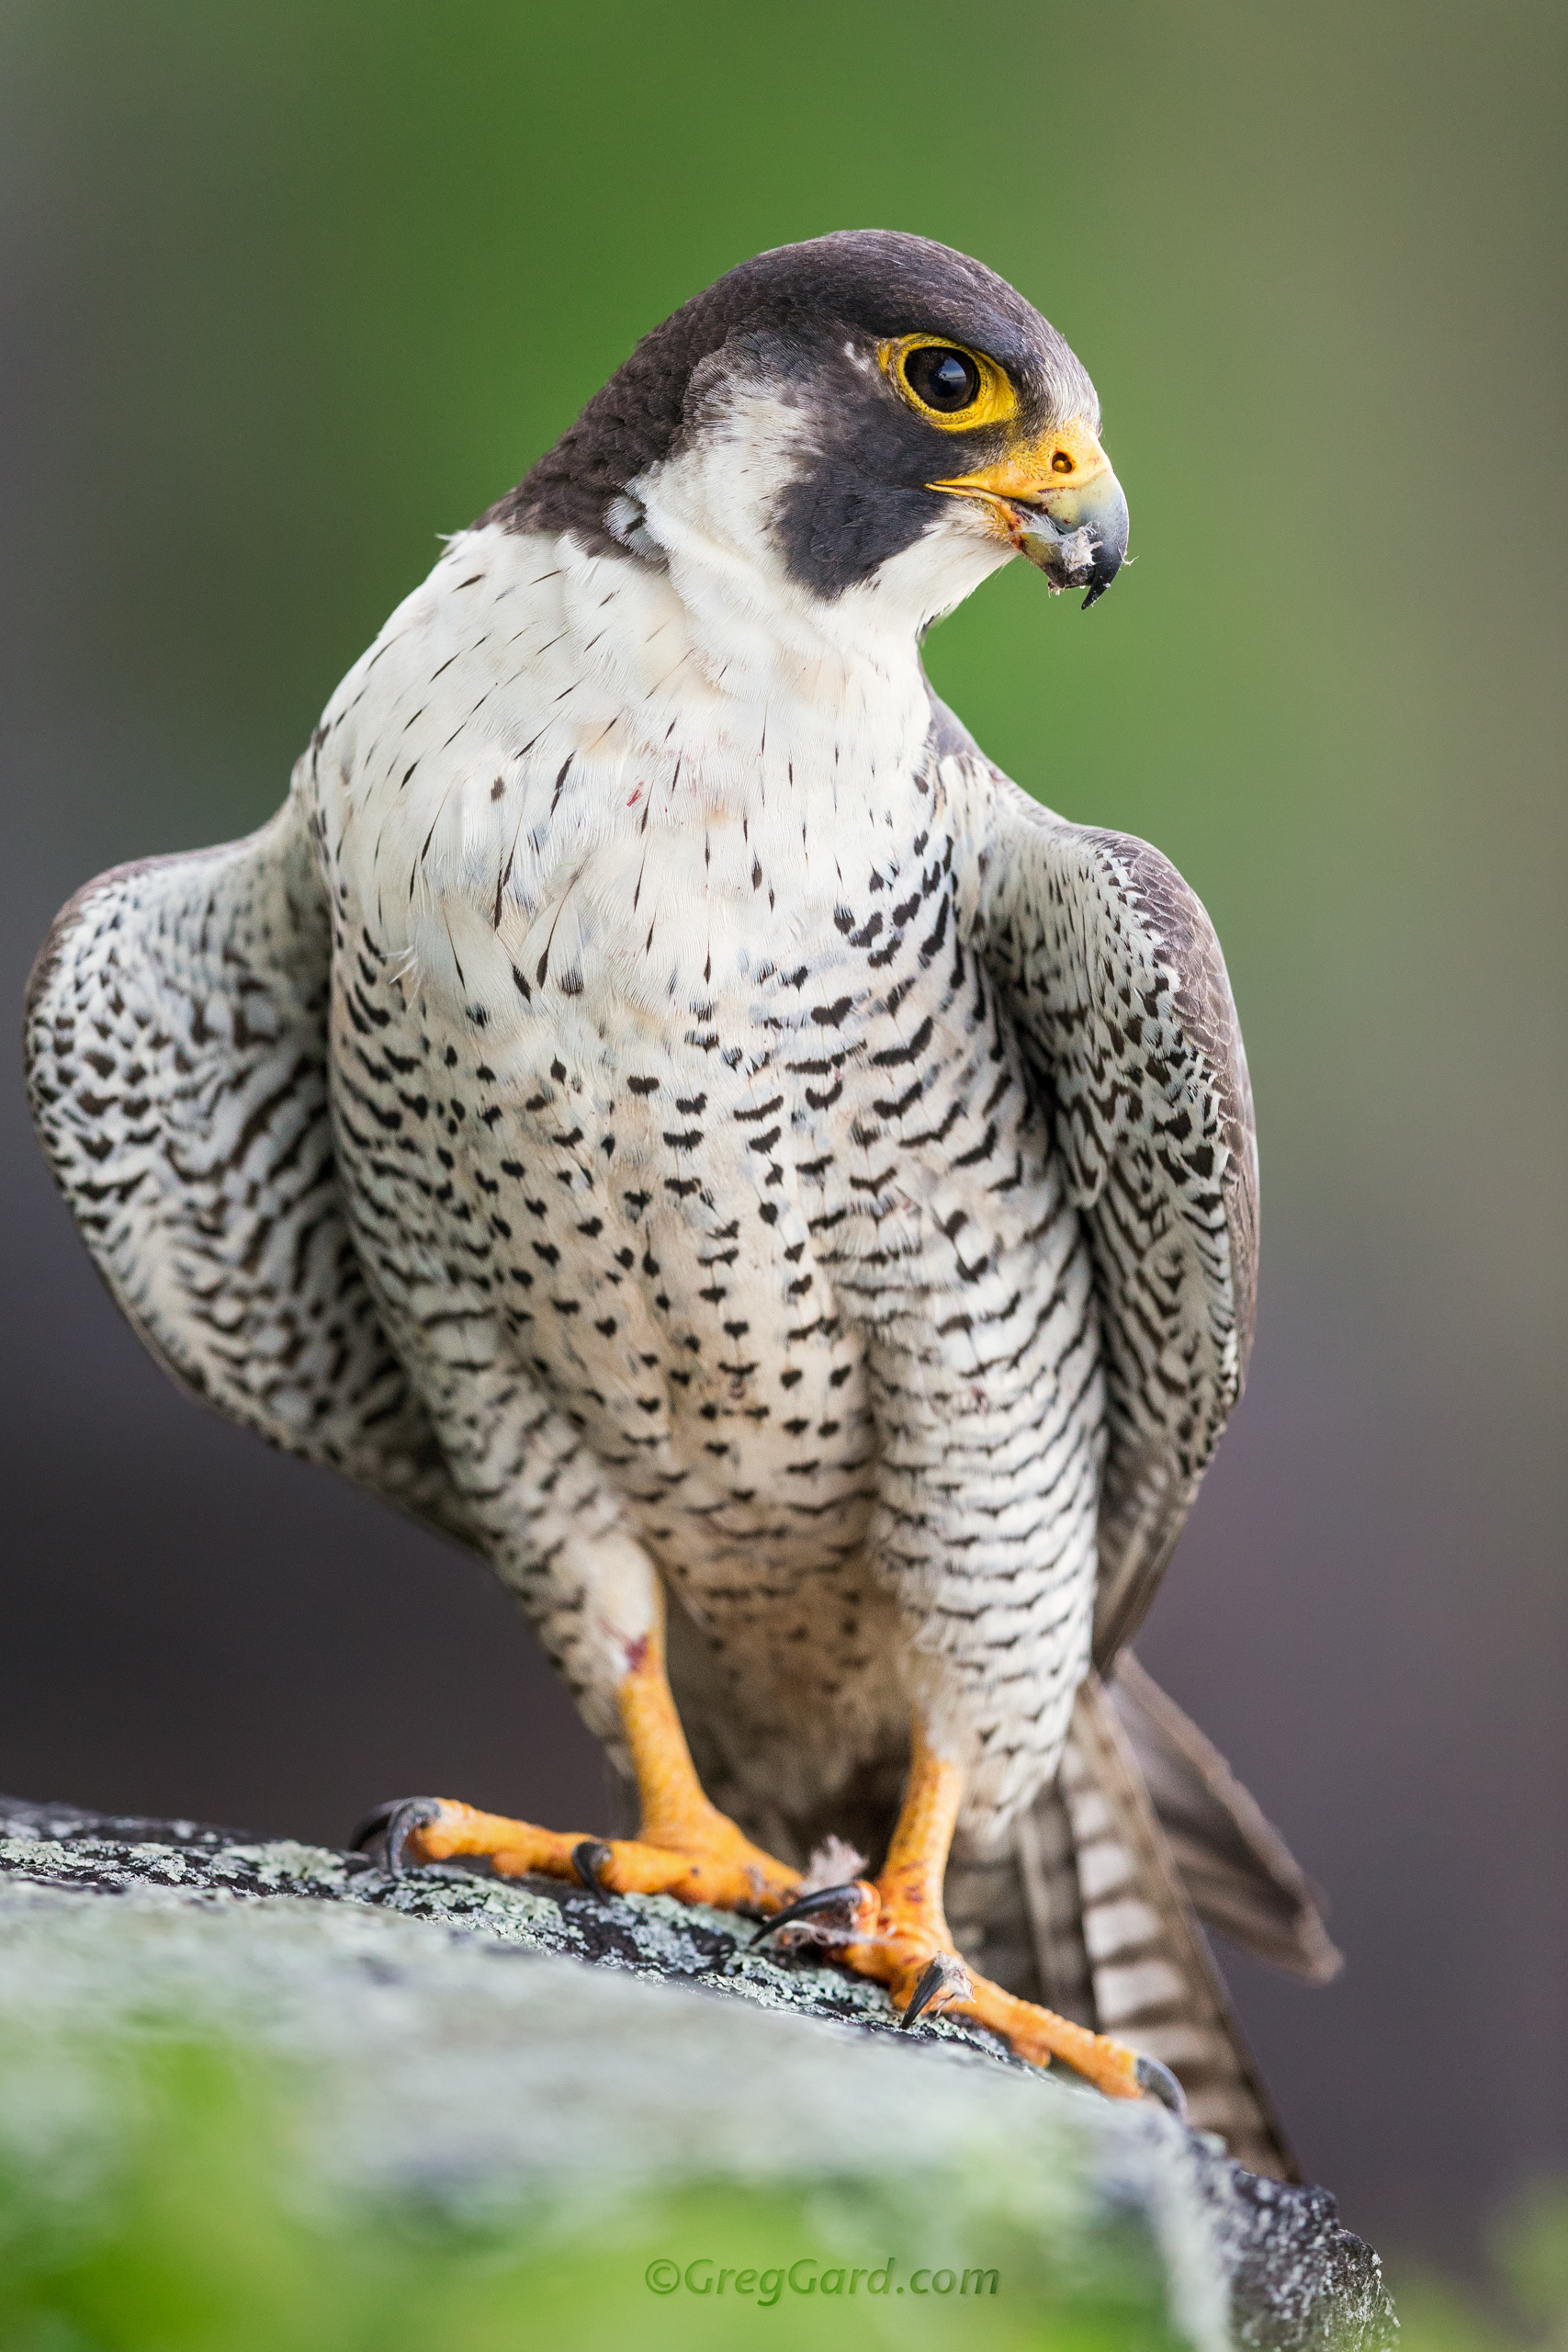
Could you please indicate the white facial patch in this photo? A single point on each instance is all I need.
(712, 511)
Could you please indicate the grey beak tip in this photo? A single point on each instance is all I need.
(1080, 539)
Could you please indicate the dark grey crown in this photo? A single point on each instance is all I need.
(786, 317)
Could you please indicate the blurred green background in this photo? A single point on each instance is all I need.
(288, 290)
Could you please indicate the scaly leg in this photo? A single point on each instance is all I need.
(684, 1847)
(895, 1930)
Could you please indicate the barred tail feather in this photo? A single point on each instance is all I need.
(1155, 1982)
(1239, 1873)
(1015, 1915)
(1052, 1894)
(1086, 1910)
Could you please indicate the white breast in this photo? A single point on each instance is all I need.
(714, 1108)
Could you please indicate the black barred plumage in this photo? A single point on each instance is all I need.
(657, 1102)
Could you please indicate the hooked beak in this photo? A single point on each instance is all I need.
(1059, 504)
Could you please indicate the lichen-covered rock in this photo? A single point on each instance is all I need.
(435, 2047)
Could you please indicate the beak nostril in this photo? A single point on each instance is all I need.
(1061, 463)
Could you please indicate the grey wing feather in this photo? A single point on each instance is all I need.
(1241, 1877)
(177, 1051)
(1113, 976)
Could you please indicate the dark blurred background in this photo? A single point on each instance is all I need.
(288, 290)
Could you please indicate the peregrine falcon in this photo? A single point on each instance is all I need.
(658, 1104)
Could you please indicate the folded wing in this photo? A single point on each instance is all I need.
(1114, 980)
(176, 1052)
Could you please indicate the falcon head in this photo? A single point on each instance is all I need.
(864, 413)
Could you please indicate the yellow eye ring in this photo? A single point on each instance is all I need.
(994, 400)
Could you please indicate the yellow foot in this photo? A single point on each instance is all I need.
(896, 1935)
(702, 1859)
(889, 1934)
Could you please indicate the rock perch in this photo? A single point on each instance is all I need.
(538, 2058)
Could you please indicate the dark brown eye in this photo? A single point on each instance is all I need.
(943, 379)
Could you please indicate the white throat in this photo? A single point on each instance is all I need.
(710, 513)
(534, 709)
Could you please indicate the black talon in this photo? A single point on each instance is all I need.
(1161, 2084)
(939, 1974)
(395, 1823)
(376, 1819)
(806, 1906)
(589, 1857)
